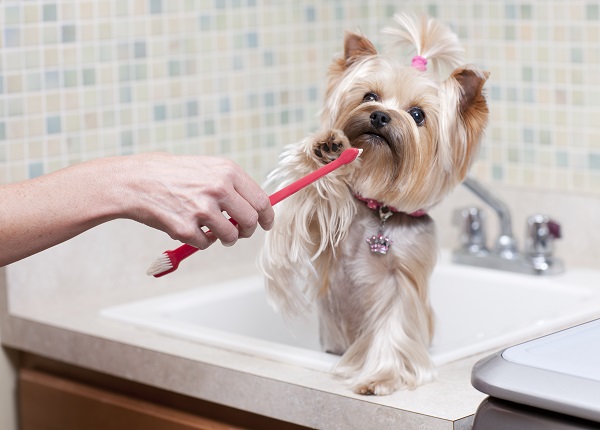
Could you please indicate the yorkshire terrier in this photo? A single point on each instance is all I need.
(359, 241)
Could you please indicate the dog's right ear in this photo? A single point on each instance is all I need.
(357, 47)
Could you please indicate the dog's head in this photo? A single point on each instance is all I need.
(419, 134)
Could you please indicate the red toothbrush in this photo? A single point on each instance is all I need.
(169, 260)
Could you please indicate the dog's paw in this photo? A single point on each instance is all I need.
(329, 145)
(378, 388)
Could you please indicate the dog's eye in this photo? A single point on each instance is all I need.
(418, 115)
(370, 97)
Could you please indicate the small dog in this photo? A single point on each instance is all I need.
(359, 241)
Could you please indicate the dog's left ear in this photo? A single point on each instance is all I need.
(467, 85)
(471, 83)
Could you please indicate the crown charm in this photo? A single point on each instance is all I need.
(379, 244)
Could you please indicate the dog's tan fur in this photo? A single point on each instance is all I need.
(374, 309)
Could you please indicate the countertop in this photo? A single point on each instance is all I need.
(50, 304)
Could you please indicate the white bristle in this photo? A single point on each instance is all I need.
(160, 265)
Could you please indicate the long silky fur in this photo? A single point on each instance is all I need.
(293, 245)
(374, 310)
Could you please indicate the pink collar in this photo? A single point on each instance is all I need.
(376, 205)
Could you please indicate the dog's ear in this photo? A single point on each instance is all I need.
(472, 110)
(356, 47)
(471, 83)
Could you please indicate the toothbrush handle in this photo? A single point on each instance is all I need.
(185, 250)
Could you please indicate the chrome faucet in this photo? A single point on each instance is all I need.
(504, 255)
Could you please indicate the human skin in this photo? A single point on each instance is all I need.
(176, 194)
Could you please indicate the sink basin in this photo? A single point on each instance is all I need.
(477, 310)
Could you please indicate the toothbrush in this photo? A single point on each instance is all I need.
(169, 260)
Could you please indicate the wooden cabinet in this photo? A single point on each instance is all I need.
(84, 400)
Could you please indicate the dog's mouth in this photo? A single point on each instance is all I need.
(377, 137)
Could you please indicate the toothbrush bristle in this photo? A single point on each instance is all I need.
(160, 265)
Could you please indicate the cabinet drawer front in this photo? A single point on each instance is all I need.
(48, 402)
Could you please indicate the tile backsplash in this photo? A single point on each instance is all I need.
(241, 78)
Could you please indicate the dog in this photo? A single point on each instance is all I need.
(359, 242)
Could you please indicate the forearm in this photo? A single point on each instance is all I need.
(43, 212)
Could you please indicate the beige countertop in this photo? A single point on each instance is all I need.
(51, 308)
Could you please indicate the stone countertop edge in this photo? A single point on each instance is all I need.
(285, 392)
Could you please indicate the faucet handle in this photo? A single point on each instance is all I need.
(540, 234)
(471, 222)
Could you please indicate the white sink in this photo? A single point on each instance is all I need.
(477, 310)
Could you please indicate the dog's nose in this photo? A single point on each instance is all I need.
(379, 119)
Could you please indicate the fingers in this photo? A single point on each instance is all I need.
(194, 192)
(258, 201)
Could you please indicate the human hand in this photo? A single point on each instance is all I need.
(182, 194)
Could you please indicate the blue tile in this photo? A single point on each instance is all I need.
(313, 94)
(35, 169)
(577, 55)
(269, 99)
(310, 14)
(49, 12)
(127, 139)
(284, 117)
(594, 161)
(528, 135)
(12, 37)
(52, 80)
(174, 68)
(528, 95)
(53, 125)
(562, 159)
(88, 77)
(252, 39)
(155, 6)
(192, 108)
(510, 11)
(224, 105)
(12, 15)
(140, 72)
(497, 172)
(496, 92)
(192, 130)
(220, 4)
(268, 58)
(160, 113)
(139, 49)
(70, 78)
(209, 127)
(125, 95)
(68, 33)
(204, 23)
(592, 11)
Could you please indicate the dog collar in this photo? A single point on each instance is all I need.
(377, 205)
(379, 243)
